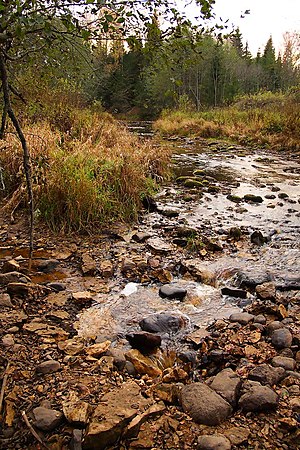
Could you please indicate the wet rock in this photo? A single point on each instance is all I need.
(257, 238)
(234, 198)
(282, 195)
(253, 198)
(213, 442)
(204, 405)
(5, 300)
(47, 266)
(256, 398)
(97, 350)
(106, 269)
(172, 292)
(266, 291)
(13, 277)
(212, 245)
(193, 183)
(149, 203)
(144, 341)
(159, 246)
(285, 362)
(242, 318)
(252, 278)
(237, 293)
(227, 384)
(46, 419)
(50, 366)
(266, 374)
(186, 232)
(141, 237)
(199, 271)
(11, 266)
(88, 265)
(163, 323)
(168, 211)
(76, 411)
(235, 233)
(143, 364)
(270, 196)
(117, 408)
(281, 338)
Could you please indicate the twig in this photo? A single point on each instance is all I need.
(4, 386)
(32, 430)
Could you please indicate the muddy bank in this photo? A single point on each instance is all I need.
(114, 341)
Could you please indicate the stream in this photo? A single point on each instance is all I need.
(231, 172)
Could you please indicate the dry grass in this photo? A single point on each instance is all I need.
(269, 120)
(87, 176)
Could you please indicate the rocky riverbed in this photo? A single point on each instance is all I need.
(179, 333)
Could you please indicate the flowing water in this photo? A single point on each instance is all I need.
(236, 171)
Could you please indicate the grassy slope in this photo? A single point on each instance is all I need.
(266, 119)
(87, 170)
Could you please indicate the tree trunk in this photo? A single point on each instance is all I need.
(26, 157)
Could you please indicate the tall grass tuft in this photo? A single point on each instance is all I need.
(265, 119)
(86, 176)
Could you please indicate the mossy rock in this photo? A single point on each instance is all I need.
(181, 179)
(253, 198)
(205, 182)
(199, 172)
(211, 188)
(234, 198)
(191, 183)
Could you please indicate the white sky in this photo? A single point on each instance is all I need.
(267, 17)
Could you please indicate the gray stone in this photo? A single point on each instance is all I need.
(204, 405)
(256, 397)
(172, 292)
(50, 366)
(281, 338)
(260, 319)
(227, 384)
(257, 238)
(213, 442)
(163, 323)
(141, 237)
(159, 246)
(46, 419)
(242, 318)
(274, 325)
(267, 374)
(252, 278)
(283, 361)
(76, 440)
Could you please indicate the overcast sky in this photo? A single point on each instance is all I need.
(267, 17)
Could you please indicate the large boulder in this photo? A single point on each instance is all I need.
(204, 405)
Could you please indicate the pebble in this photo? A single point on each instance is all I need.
(46, 419)
(242, 318)
(281, 338)
(46, 367)
(213, 442)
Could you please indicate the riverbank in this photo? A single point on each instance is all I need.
(264, 120)
(112, 339)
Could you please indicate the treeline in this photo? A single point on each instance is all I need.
(189, 69)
